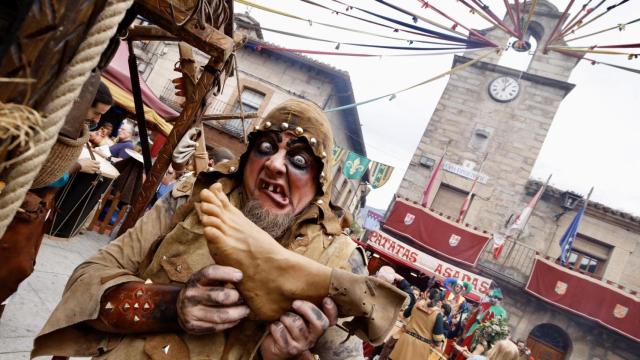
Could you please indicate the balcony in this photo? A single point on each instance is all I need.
(514, 264)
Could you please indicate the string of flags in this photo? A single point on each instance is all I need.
(354, 166)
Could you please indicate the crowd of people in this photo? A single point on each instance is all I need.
(441, 323)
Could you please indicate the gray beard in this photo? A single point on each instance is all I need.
(274, 224)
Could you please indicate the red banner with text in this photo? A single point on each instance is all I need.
(583, 295)
(435, 232)
(407, 255)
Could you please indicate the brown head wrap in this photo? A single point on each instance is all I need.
(302, 119)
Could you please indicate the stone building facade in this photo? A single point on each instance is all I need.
(472, 123)
(266, 79)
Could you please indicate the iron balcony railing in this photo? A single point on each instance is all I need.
(513, 265)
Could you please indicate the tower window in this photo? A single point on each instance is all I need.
(480, 139)
(519, 54)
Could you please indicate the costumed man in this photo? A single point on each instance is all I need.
(246, 262)
(454, 293)
(485, 312)
(423, 334)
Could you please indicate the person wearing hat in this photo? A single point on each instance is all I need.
(237, 263)
(486, 311)
(454, 293)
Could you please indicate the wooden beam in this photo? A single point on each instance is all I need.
(200, 35)
(229, 116)
(150, 32)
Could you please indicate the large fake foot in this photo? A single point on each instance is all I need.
(274, 277)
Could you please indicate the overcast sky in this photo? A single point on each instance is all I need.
(595, 136)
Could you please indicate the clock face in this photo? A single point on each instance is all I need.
(504, 89)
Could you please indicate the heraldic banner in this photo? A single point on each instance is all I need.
(586, 296)
(404, 254)
(436, 232)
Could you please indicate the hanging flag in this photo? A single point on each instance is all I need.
(354, 166)
(566, 241)
(337, 153)
(432, 180)
(498, 245)
(380, 173)
(521, 220)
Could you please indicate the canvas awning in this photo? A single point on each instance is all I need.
(124, 99)
(435, 232)
(118, 73)
(585, 296)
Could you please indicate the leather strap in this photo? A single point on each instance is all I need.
(421, 338)
(134, 307)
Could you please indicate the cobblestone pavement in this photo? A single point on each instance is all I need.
(30, 307)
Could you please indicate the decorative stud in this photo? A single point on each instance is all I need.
(232, 169)
(284, 126)
(146, 306)
(164, 257)
(267, 124)
(126, 306)
(109, 306)
(256, 128)
(139, 293)
(165, 349)
(136, 318)
(323, 155)
(298, 131)
(313, 141)
(136, 306)
(179, 268)
(319, 202)
(322, 175)
(148, 282)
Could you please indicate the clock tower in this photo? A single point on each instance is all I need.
(497, 111)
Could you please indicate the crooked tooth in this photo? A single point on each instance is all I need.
(271, 188)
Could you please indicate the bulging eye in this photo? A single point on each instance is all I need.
(265, 147)
(299, 161)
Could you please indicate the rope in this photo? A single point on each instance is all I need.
(58, 105)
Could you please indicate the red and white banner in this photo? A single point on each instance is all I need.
(407, 255)
(435, 232)
(585, 296)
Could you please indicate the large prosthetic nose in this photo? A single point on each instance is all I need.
(274, 277)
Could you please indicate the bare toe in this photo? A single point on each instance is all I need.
(207, 196)
(217, 191)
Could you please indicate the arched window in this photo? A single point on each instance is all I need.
(549, 341)
(518, 54)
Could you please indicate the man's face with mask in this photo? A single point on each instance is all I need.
(280, 179)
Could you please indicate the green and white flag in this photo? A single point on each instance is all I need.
(354, 166)
(379, 173)
(337, 153)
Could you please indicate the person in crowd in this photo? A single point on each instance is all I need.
(525, 353)
(219, 155)
(423, 334)
(454, 293)
(166, 185)
(485, 312)
(155, 292)
(100, 105)
(501, 350)
(102, 136)
(117, 151)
